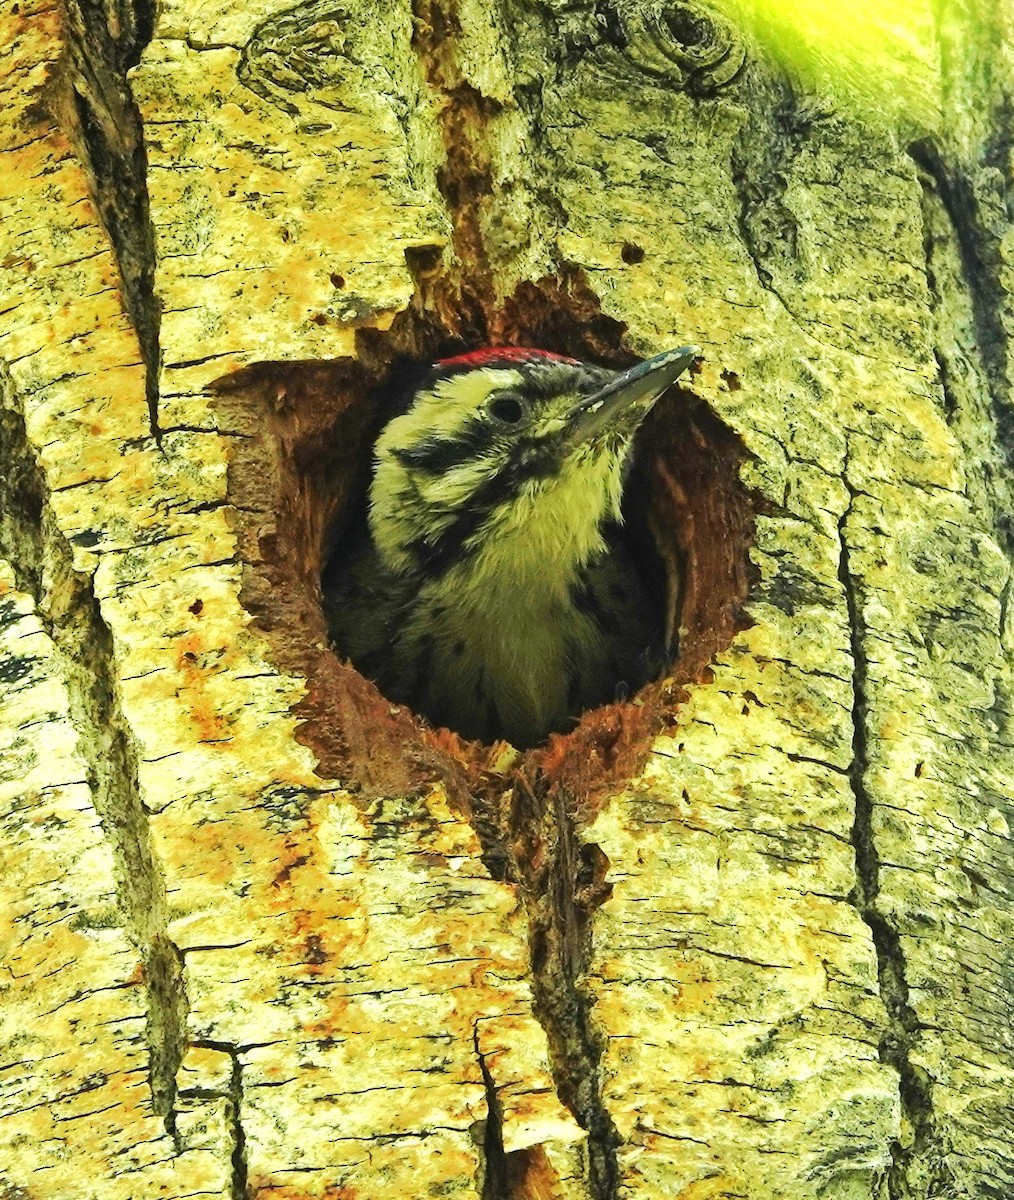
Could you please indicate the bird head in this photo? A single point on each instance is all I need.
(506, 444)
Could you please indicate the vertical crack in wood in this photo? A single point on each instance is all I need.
(559, 933)
(495, 1184)
(105, 41)
(231, 1092)
(71, 614)
(465, 179)
(239, 1179)
(912, 1156)
(979, 245)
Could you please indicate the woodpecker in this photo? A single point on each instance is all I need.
(490, 588)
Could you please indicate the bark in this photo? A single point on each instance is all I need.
(265, 935)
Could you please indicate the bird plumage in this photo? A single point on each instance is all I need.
(491, 588)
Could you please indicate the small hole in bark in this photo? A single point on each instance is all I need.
(631, 253)
(423, 260)
(591, 886)
(919, 770)
(197, 607)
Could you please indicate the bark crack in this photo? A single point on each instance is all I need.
(110, 136)
(466, 178)
(239, 1179)
(916, 1154)
(982, 260)
(979, 277)
(561, 894)
(71, 614)
(496, 1182)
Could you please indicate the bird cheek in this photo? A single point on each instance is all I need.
(538, 460)
(446, 493)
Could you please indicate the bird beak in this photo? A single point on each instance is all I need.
(632, 394)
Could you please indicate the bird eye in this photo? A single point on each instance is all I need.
(508, 409)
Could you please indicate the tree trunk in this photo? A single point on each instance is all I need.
(266, 935)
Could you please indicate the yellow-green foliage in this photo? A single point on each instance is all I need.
(881, 57)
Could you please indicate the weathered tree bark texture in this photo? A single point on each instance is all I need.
(266, 936)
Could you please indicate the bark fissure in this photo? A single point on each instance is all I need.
(912, 1155)
(561, 896)
(495, 1184)
(465, 178)
(239, 1178)
(71, 614)
(110, 137)
(980, 266)
(982, 260)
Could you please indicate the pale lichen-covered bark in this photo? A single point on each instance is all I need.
(236, 969)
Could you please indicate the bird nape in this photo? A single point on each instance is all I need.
(490, 587)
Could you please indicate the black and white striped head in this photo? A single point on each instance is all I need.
(505, 444)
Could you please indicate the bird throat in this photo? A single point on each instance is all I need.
(508, 635)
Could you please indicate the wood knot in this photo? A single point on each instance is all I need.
(685, 45)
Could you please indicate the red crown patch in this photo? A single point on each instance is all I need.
(502, 354)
